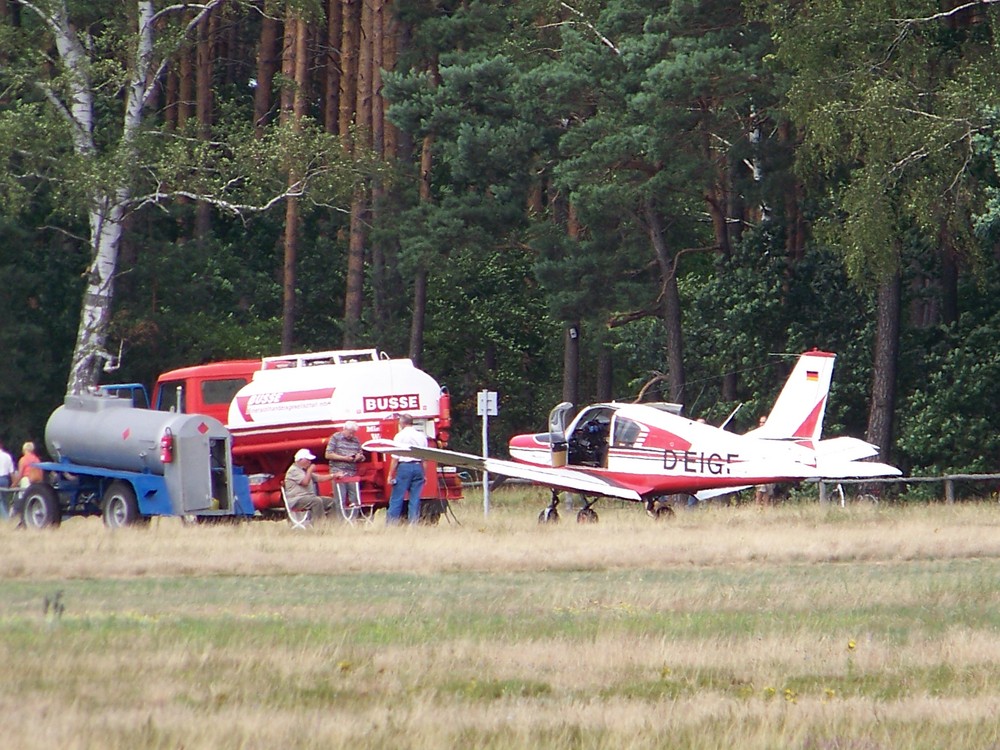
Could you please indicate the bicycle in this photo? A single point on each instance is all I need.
(863, 496)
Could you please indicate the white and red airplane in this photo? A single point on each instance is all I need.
(643, 452)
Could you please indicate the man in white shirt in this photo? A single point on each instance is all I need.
(7, 471)
(6, 468)
(406, 473)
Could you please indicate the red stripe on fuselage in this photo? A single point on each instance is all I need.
(668, 440)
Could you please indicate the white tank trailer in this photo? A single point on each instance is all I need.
(129, 464)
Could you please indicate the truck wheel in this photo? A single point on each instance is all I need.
(41, 506)
(120, 506)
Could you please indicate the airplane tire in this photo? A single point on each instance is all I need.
(549, 515)
(586, 515)
(664, 513)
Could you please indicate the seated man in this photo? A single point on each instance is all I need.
(299, 487)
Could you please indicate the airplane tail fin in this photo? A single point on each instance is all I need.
(801, 405)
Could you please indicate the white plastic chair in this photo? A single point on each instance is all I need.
(299, 519)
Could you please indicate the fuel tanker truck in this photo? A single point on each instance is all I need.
(128, 464)
(277, 405)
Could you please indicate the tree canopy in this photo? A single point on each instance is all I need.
(601, 198)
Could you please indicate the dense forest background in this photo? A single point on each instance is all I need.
(574, 200)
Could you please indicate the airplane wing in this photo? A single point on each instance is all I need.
(571, 480)
(703, 495)
(837, 469)
(845, 449)
(828, 469)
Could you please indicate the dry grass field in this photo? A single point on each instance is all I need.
(798, 626)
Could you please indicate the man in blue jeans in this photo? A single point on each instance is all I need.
(406, 473)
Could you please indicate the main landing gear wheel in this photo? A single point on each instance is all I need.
(119, 506)
(659, 510)
(587, 513)
(41, 507)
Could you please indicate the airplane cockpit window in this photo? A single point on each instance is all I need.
(588, 444)
(626, 433)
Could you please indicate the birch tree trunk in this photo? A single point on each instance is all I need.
(109, 200)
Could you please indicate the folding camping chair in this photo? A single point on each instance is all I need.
(299, 519)
(350, 513)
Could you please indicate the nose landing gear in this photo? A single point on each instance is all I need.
(550, 514)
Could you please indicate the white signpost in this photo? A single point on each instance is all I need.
(486, 408)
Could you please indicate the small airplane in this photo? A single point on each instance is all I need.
(644, 452)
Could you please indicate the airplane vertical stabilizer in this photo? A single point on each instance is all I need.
(801, 405)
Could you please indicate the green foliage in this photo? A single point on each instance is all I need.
(606, 107)
(951, 422)
(39, 309)
(188, 302)
(487, 329)
(889, 110)
(746, 287)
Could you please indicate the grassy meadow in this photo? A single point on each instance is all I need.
(797, 626)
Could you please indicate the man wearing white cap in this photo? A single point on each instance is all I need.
(300, 488)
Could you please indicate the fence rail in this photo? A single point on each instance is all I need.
(948, 480)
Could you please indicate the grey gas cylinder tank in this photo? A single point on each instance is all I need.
(99, 431)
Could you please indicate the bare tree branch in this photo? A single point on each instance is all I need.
(617, 320)
(604, 40)
(658, 377)
(239, 210)
(148, 24)
(945, 13)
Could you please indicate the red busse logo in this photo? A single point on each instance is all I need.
(391, 403)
